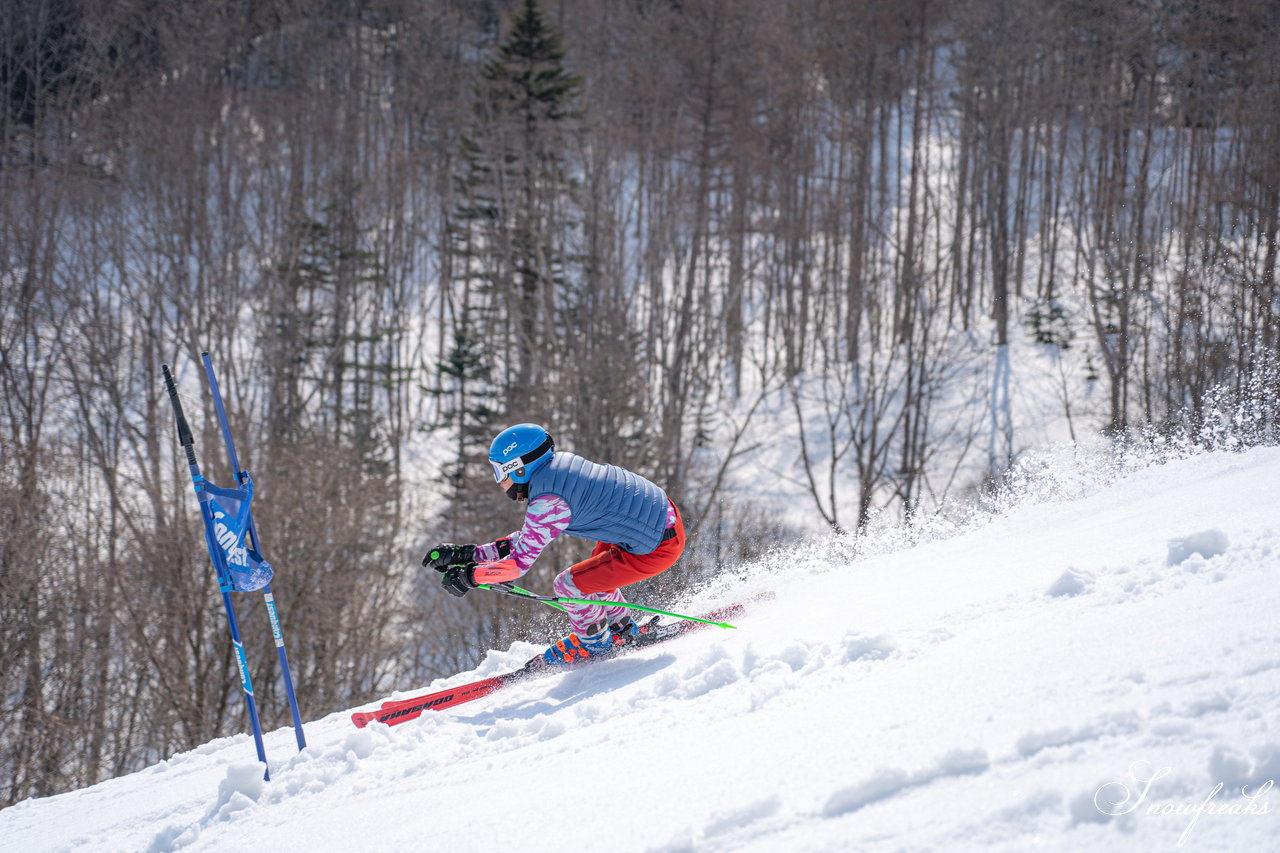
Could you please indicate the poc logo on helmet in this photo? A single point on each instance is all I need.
(510, 447)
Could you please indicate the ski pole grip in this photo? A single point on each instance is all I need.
(184, 431)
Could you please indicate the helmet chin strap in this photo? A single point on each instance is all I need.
(518, 492)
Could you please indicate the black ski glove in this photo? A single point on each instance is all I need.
(459, 580)
(444, 557)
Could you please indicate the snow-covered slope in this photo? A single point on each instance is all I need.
(998, 685)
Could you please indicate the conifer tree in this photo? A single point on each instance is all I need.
(516, 220)
(512, 227)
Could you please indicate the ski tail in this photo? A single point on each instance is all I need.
(403, 710)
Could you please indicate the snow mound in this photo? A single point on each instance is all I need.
(1071, 582)
(1207, 544)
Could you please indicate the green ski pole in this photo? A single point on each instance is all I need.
(556, 602)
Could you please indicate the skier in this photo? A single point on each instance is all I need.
(638, 530)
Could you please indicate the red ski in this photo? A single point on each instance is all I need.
(394, 712)
(402, 710)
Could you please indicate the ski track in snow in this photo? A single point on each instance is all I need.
(985, 689)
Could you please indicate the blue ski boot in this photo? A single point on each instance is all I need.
(574, 648)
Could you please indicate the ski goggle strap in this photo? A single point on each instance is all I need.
(502, 469)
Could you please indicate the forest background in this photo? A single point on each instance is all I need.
(791, 259)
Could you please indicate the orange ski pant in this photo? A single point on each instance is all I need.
(610, 567)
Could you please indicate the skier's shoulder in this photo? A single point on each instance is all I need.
(546, 508)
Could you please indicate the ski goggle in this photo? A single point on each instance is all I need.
(502, 469)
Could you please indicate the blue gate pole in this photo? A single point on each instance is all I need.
(224, 577)
(272, 613)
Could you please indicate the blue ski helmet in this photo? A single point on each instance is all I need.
(518, 451)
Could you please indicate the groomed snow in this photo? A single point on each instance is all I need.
(998, 684)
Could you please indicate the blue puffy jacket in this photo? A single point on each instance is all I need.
(607, 503)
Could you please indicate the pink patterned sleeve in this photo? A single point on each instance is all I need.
(546, 518)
